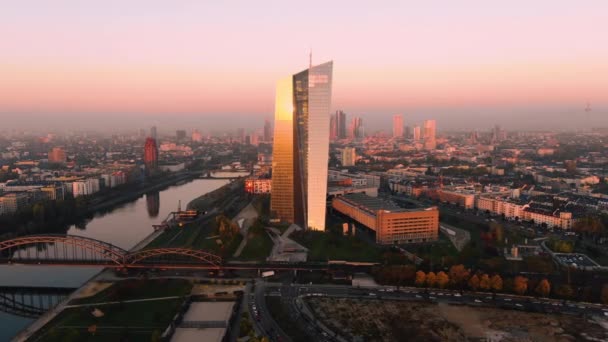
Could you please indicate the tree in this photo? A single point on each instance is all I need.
(485, 283)
(458, 274)
(431, 279)
(543, 288)
(589, 224)
(520, 285)
(474, 282)
(156, 336)
(420, 278)
(564, 291)
(604, 295)
(496, 283)
(442, 279)
(497, 231)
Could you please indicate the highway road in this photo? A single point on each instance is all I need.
(292, 296)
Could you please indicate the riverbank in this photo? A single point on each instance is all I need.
(136, 193)
(127, 226)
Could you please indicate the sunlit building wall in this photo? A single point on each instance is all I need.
(319, 104)
(301, 147)
(282, 199)
(397, 126)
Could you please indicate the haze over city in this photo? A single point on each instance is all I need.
(523, 65)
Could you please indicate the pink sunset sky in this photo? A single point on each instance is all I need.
(463, 60)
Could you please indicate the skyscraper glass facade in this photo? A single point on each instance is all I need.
(309, 141)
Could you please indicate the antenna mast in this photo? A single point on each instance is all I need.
(310, 59)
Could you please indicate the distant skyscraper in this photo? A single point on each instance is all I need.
(57, 156)
(416, 133)
(301, 147)
(197, 136)
(150, 155)
(255, 137)
(429, 135)
(333, 128)
(349, 156)
(397, 126)
(180, 135)
(408, 132)
(267, 131)
(340, 124)
(153, 133)
(356, 128)
(240, 135)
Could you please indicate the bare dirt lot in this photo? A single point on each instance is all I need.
(375, 320)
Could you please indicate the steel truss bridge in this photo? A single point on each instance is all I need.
(72, 250)
(30, 302)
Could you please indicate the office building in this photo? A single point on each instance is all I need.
(14, 201)
(258, 186)
(150, 155)
(340, 124)
(197, 136)
(180, 135)
(85, 187)
(429, 135)
(356, 128)
(349, 156)
(333, 128)
(416, 133)
(267, 131)
(57, 156)
(397, 126)
(392, 224)
(301, 147)
(153, 133)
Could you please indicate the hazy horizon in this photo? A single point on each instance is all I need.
(68, 64)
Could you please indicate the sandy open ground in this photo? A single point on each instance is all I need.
(376, 320)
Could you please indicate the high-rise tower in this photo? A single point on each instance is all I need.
(150, 155)
(429, 132)
(301, 147)
(397, 126)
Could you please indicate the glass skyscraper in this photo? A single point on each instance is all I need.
(301, 147)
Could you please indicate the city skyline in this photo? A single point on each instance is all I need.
(521, 65)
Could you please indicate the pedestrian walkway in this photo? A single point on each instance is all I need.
(244, 219)
(284, 248)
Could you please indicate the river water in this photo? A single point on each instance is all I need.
(125, 226)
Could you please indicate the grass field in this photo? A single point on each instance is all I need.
(139, 289)
(325, 246)
(259, 246)
(133, 321)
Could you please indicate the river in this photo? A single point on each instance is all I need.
(124, 226)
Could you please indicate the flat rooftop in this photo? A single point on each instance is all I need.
(209, 311)
(197, 335)
(374, 204)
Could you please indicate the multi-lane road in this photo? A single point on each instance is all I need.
(292, 296)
